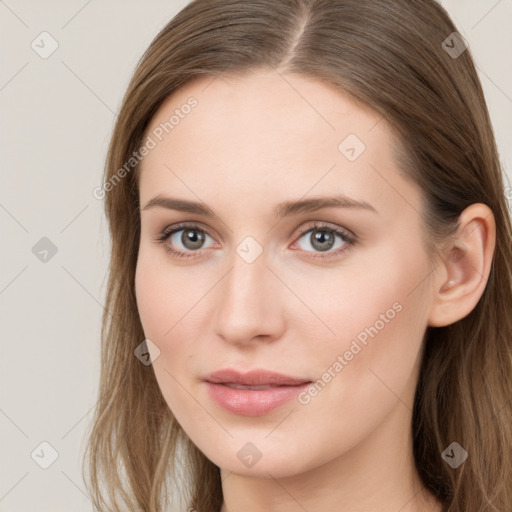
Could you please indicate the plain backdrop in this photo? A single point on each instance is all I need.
(57, 115)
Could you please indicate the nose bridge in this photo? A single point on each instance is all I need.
(248, 304)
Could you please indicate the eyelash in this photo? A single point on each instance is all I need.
(347, 237)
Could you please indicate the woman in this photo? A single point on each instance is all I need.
(310, 282)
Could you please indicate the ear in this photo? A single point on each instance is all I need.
(465, 266)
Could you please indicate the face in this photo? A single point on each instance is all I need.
(335, 296)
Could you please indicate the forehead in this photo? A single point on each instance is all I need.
(263, 103)
(268, 134)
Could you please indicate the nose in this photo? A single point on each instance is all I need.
(249, 303)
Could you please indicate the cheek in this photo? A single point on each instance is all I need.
(169, 301)
(378, 313)
(160, 305)
(164, 293)
(377, 294)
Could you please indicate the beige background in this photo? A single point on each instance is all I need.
(57, 115)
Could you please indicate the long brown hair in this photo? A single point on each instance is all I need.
(395, 57)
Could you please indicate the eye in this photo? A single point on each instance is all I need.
(188, 238)
(321, 238)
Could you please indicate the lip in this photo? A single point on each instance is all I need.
(253, 378)
(253, 402)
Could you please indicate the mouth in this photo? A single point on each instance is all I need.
(254, 393)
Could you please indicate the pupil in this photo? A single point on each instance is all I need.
(322, 240)
(192, 238)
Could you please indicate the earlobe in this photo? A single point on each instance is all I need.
(465, 267)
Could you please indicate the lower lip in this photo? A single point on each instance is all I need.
(248, 402)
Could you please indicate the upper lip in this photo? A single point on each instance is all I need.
(253, 378)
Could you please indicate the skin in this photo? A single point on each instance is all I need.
(251, 142)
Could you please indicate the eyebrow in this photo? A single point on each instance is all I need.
(284, 209)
